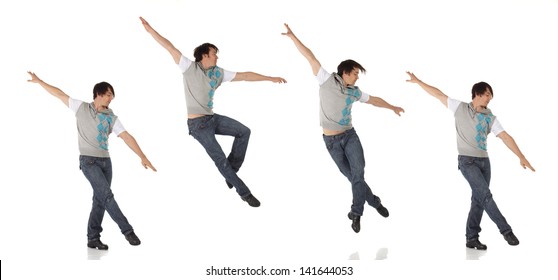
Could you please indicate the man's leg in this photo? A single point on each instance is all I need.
(99, 173)
(241, 133)
(203, 130)
(355, 155)
(346, 151)
(477, 173)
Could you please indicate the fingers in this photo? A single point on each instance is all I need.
(149, 165)
(288, 30)
(144, 22)
(34, 77)
(410, 74)
(412, 77)
(526, 165)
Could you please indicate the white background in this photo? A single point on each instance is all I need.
(184, 214)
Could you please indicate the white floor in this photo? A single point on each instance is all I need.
(184, 233)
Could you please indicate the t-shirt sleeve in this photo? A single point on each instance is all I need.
(184, 63)
(497, 127)
(118, 127)
(74, 104)
(364, 97)
(228, 75)
(322, 76)
(453, 104)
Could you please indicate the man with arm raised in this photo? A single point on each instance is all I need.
(201, 79)
(95, 121)
(337, 94)
(473, 122)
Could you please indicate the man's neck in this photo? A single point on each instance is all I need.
(478, 107)
(98, 106)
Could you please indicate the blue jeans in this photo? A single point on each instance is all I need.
(204, 130)
(346, 150)
(476, 171)
(98, 171)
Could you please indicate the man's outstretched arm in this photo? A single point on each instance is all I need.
(174, 52)
(436, 93)
(254, 77)
(306, 52)
(54, 91)
(379, 102)
(510, 143)
(134, 146)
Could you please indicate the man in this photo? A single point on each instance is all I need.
(95, 121)
(337, 94)
(201, 78)
(473, 122)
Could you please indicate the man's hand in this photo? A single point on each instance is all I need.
(398, 110)
(278, 80)
(525, 164)
(412, 78)
(289, 32)
(146, 163)
(146, 24)
(34, 78)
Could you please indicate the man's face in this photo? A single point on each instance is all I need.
(211, 58)
(351, 77)
(105, 99)
(485, 98)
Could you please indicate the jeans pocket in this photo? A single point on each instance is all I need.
(200, 123)
(465, 162)
(85, 162)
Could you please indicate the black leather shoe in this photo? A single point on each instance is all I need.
(383, 211)
(356, 221)
(97, 244)
(251, 200)
(133, 239)
(229, 184)
(475, 244)
(510, 237)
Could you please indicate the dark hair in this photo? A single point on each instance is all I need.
(480, 88)
(101, 89)
(347, 66)
(203, 49)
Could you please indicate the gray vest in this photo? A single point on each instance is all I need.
(93, 130)
(199, 87)
(472, 129)
(336, 103)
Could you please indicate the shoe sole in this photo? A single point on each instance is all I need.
(476, 247)
(98, 248)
